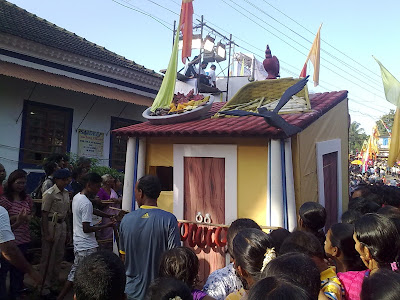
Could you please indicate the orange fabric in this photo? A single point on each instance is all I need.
(186, 26)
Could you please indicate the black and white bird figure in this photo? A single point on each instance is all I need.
(272, 117)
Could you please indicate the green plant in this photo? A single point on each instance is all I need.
(102, 170)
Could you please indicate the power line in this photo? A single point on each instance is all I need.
(323, 50)
(134, 8)
(293, 46)
(321, 39)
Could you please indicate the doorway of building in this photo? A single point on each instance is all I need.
(330, 170)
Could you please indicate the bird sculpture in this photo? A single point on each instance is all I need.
(272, 117)
(271, 64)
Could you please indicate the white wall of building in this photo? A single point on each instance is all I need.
(13, 92)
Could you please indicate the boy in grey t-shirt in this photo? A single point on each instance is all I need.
(144, 235)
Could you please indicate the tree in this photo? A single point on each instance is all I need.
(357, 136)
(388, 120)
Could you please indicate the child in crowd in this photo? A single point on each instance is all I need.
(307, 243)
(382, 285)
(278, 236)
(100, 276)
(168, 289)
(377, 242)
(312, 218)
(297, 268)
(340, 247)
(271, 288)
(224, 281)
(181, 263)
(252, 251)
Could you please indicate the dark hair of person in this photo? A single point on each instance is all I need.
(363, 205)
(55, 157)
(150, 186)
(49, 167)
(342, 238)
(350, 216)
(8, 188)
(383, 284)
(278, 236)
(65, 157)
(393, 213)
(100, 276)
(391, 195)
(237, 226)
(313, 216)
(297, 268)
(363, 188)
(91, 178)
(249, 248)
(379, 234)
(180, 263)
(303, 242)
(168, 288)
(80, 164)
(272, 288)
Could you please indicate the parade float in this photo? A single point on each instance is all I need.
(260, 155)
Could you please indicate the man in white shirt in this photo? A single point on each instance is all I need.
(83, 230)
(10, 251)
(211, 74)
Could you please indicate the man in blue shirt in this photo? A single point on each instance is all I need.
(144, 235)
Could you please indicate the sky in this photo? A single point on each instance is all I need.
(352, 31)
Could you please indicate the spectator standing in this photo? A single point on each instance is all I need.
(83, 230)
(19, 207)
(55, 209)
(144, 235)
(10, 252)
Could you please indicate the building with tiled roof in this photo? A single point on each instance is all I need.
(62, 93)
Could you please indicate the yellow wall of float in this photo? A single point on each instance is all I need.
(332, 125)
(252, 171)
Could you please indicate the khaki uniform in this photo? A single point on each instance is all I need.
(55, 201)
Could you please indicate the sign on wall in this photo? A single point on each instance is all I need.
(90, 143)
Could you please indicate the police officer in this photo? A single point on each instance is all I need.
(55, 207)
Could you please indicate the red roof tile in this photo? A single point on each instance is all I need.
(236, 126)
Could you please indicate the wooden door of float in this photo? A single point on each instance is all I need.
(204, 191)
(330, 167)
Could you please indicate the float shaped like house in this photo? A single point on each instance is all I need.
(241, 167)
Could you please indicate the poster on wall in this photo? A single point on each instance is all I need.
(90, 143)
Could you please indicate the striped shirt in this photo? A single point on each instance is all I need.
(22, 233)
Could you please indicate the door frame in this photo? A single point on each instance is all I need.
(323, 148)
(229, 153)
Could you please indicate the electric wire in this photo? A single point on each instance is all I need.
(322, 49)
(295, 47)
(321, 39)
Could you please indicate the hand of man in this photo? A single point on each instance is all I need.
(37, 278)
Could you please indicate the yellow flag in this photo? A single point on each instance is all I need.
(314, 56)
(391, 85)
(242, 68)
(167, 89)
(394, 149)
(392, 92)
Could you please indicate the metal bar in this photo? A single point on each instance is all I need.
(29, 97)
(97, 98)
(229, 65)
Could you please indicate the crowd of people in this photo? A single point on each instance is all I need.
(355, 259)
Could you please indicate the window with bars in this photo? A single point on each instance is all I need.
(46, 129)
(119, 143)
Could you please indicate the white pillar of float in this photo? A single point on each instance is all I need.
(129, 179)
(275, 189)
(291, 199)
